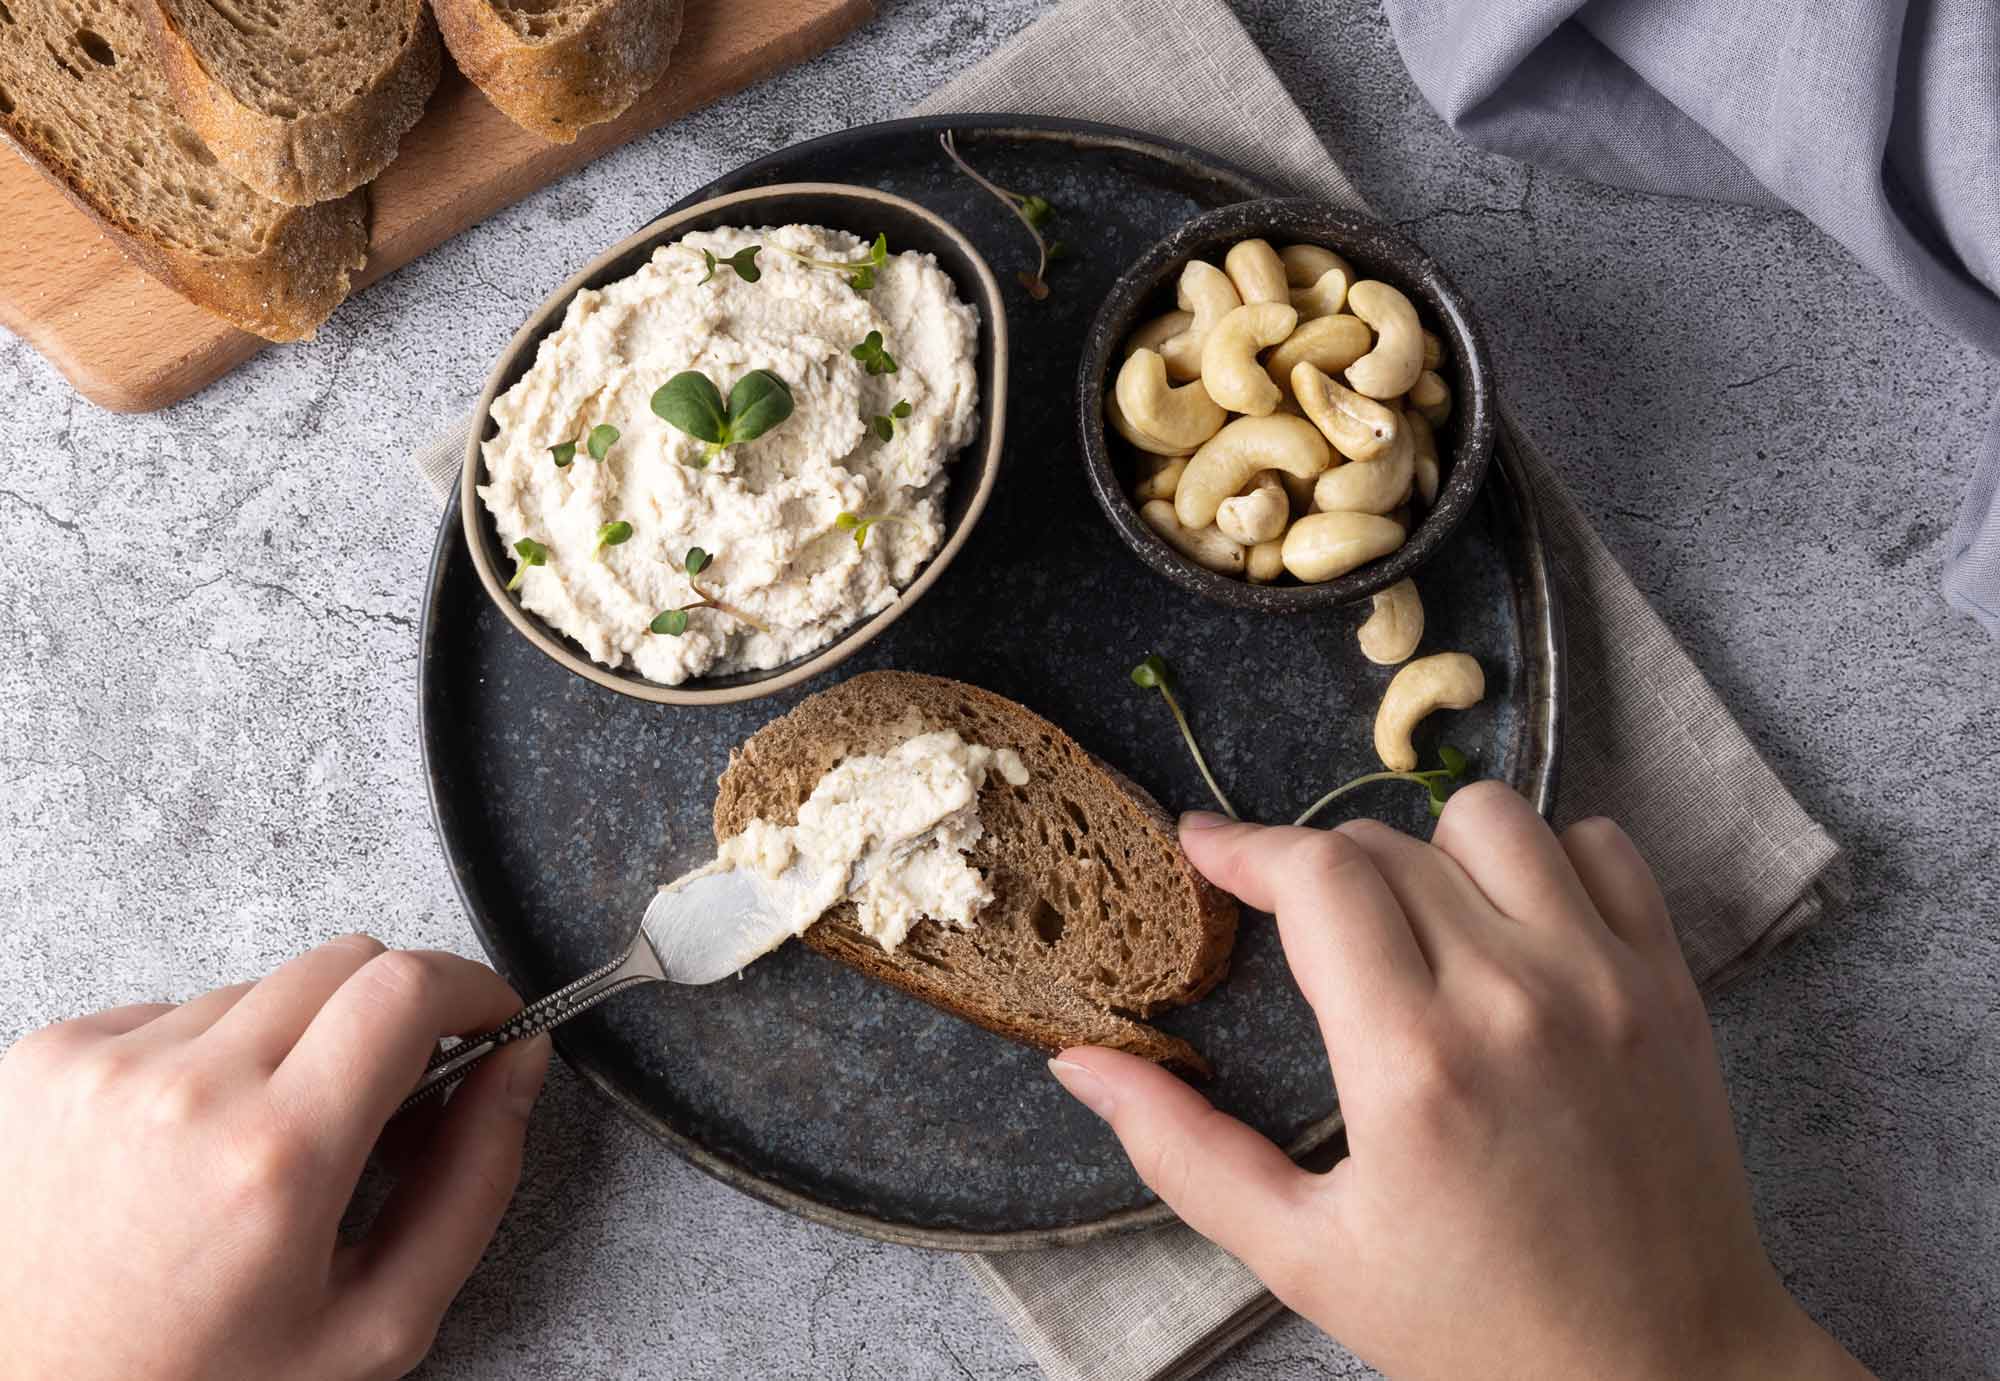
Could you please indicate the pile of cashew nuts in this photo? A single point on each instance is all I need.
(1265, 464)
(1255, 460)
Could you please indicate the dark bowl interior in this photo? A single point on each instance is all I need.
(1465, 442)
(863, 212)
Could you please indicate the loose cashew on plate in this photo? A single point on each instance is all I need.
(1395, 625)
(1441, 681)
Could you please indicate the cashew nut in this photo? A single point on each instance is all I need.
(1226, 462)
(1266, 562)
(1229, 368)
(1328, 343)
(1423, 442)
(1306, 265)
(1369, 486)
(1159, 476)
(1160, 329)
(1256, 271)
(1152, 445)
(1321, 546)
(1178, 418)
(1391, 633)
(1259, 514)
(1431, 397)
(1398, 357)
(1442, 681)
(1323, 298)
(1360, 428)
(1207, 294)
(1205, 546)
(1433, 349)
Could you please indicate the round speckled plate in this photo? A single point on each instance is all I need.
(561, 805)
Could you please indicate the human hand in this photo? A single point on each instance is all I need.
(175, 1176)
(1543, 1180)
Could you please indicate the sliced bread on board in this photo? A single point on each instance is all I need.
(305, 100)
(85, 99)
(1097, 920)
(557, 66)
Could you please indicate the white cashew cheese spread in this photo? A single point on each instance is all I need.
(764, 509)
(866, 811)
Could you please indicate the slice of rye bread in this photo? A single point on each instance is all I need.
(557, 66)
(84, 98)
(305, 100)
(1097, 918)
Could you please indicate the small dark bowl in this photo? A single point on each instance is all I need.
(863, 211)
(1465, 442)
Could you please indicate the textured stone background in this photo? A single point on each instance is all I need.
(207, 712)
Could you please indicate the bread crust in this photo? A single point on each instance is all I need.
(1076, 1003)
(314, 156)
(577, 78)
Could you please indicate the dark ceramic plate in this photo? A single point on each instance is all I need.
(561, 805)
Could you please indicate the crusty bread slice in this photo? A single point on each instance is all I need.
(557, 66)
(1098, 919)
(305, 100)
(83, 96)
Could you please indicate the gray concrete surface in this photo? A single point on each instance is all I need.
(207, 714)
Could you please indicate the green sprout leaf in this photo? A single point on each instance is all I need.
(708, 259)
(600, 440)
(873, 357)
(563, 452)
(1454, 761)
(1035, 210)
(531, 553)
(691, 403)
(743, 261)
(861, 280)
(1154, 674)
(696, 562)
(883, 428)
(846, 522)
(672, 622)
(613, 534)
(902, 408)
(759, 401)
(1032, 211)
(857, 525)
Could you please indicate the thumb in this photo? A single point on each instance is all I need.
(1225, 1181)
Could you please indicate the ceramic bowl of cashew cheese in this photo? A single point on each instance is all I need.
(1284, 406)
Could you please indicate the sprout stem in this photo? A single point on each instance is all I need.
(1421, 779)
(1195, 748)
(1037, 284)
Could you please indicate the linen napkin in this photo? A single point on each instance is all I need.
(1648, 741)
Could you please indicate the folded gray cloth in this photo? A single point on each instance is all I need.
(1879, 120)
(1744, 867)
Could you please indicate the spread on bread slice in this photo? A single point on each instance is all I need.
(1097, 919)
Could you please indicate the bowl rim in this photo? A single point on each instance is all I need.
(547, 316)
(1470, 461)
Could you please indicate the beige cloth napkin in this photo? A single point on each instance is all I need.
(1648, 741)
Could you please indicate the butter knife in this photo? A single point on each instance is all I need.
(702, 927)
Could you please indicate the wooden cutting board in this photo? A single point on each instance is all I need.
(129, 344)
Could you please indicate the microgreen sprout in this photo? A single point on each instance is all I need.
(613, 534)
(1031, 210)
(860, 273)
(563, 452)
(873, 357)
(532, 553)
(1155, 674)
(690, 401)
(857, 525)
(884, 425)
(1440, 782)
(599, 442)
(674, 622)
(744, 261)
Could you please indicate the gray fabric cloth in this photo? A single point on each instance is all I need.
(1744, 867)
(1879, 120)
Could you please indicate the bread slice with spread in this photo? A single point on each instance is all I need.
(1097, 919)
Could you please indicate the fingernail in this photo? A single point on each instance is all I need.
(1084, 1086)
(1202, 820)
(524, 1083)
